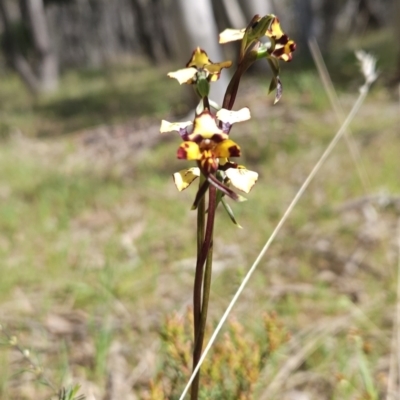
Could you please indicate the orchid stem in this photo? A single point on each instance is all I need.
(232, 89)
(198, 280)
(200, 317)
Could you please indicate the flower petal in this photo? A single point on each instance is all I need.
(173, 126)
(189, 151)
(184, 178)
(226, 149)
(184, 75)
(232, 117)
(242, 178)
(275, 30)
(282, 47)
(284, 51)
(205, 127)
(230, 35)
(215, 69)
(199, 59)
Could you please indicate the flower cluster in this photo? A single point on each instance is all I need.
(207, 140)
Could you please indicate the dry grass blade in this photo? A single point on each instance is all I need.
(323, 329)
(394, 366)
(337, 108)
(303, 188)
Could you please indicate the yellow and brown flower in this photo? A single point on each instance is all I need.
(199, 62)
(281, 46)
(210, 146)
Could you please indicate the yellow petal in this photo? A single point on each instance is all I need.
(184, 178)
(199, 59)
(230, 35)
(284, 52)
(206, 127)
(226, 149)
(232, 117)
(217, 67)
(173, 126)
(184, 75)
(189, 151)
(275, 30)
(242, 178)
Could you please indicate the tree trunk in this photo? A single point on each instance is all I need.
(304, 16)
(329, 11)
(253, 7)
(47, 66)
(17, 60)
(235, 14)
(396, 29)
(194, 25)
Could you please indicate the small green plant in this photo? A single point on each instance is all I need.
(233, 369)
(207, 141)
(37, 370)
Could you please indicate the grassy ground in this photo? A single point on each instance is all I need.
(94, 256)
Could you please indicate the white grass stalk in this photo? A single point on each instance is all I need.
(363, 93)
(337, 108)
(394, 366)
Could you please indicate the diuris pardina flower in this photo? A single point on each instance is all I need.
(279, 48)
(199, 64)
(210, 146)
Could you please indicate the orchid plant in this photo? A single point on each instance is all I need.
(207, 141)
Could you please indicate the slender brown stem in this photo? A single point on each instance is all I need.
(198, 279)
(206, 296)
(205, 254)
(233, 87)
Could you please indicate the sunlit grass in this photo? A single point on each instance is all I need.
(120, 247)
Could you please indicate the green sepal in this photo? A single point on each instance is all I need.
(276, 83)
(203, 87)
(257, 28)
(229, 211)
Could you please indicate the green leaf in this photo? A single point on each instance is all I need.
(274, 65)
(229, 211)
(276, 83)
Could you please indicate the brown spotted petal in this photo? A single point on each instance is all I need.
(189, 151)
(227, 149)
(282, 46)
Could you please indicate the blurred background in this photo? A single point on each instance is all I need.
(97, 248)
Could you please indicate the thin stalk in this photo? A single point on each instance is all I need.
(233, 87)
(198, 279)
(206, 254)
(201, 210)
(206, 296)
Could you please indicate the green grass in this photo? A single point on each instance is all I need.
(117, 249)
(85, 99)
